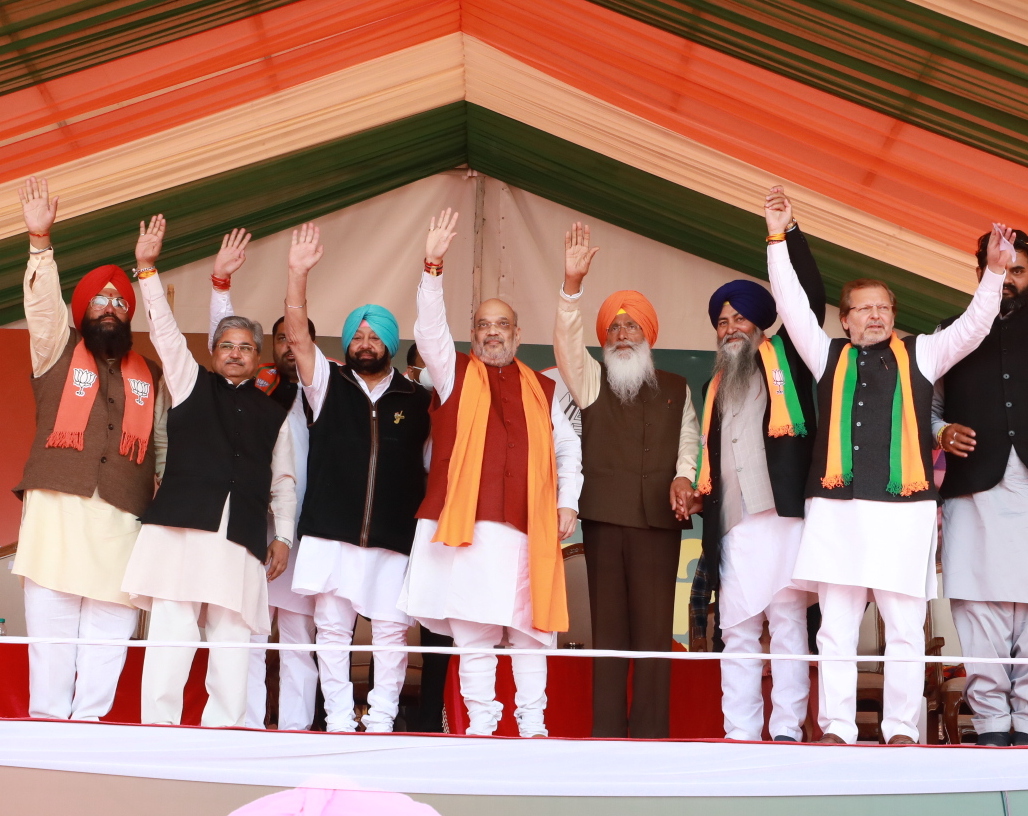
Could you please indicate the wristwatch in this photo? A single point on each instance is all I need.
(284, 540)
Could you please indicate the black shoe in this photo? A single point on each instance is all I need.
(996, 739)
(784, 738)
(1020, 738)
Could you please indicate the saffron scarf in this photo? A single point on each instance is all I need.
(906, 470)
(79, 394)
(457, 519)
(786, 414)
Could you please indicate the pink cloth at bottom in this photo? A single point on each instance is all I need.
(324, 802)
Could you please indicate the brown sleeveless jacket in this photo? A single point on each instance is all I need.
(98, 466)
(630, 453)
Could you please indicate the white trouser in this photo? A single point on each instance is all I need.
(842, 608)
(335, 619)
(297, 675)
(997, 693)
(478, 678)
(165, 669)
(741, 699)
(54, 691)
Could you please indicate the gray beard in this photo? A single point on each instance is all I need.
(626, 375)
(499, 358)
(737, 370)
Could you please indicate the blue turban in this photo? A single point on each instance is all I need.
(381, 321)
(748, 298)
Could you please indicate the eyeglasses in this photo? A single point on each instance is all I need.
(101, 301)
(244, 348)
(485, 325)
(629, 328)
(883, 309)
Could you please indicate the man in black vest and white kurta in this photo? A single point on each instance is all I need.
(293, 612)
(366, 479)
(204, 537)
(981, 421)
(871, 515)
(758, 436)
(639, 442)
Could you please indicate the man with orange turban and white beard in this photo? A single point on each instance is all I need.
(502, 494)
(639, 441)
(100, 415)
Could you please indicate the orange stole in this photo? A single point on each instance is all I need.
(457, 519)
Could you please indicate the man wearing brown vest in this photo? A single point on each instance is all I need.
(99, 437)
(639, 440)
(502, 493)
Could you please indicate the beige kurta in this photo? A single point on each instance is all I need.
(71, 543)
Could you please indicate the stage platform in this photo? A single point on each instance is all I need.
(100, 768)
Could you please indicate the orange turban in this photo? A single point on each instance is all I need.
(95, 282)
(635, 304)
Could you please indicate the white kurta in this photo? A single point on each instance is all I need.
(486, 582)
(178, 564)
(874, 544)
(758, 558)
(984, 557)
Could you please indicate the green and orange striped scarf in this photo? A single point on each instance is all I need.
(786, 414)
(906, 470)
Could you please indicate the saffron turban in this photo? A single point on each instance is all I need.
(633, 303)
(381, 321)
(748, 298)
(95, 282)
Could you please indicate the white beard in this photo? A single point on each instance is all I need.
(628, 369)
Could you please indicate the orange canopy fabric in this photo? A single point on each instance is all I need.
(915, 179)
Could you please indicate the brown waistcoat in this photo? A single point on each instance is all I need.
(98, 466)
(503, 491)
(630, 453)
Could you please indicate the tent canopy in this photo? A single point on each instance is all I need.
(897, 129)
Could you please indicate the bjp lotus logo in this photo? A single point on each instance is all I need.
(779, 377)
(83, 379)
(140, 389)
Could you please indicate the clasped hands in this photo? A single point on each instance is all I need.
(685, 500)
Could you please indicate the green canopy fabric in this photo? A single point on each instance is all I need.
(277, 194)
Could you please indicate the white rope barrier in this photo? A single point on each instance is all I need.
(457, 650)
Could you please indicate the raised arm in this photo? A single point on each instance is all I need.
(806, 271)
(230, 258)
(431, 331)
(937, 353)
(180, 369)
(304, 253)
(803, 325)
(580, 372)
(45, 311)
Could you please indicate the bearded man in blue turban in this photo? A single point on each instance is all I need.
(365, 481)
(757, 439)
